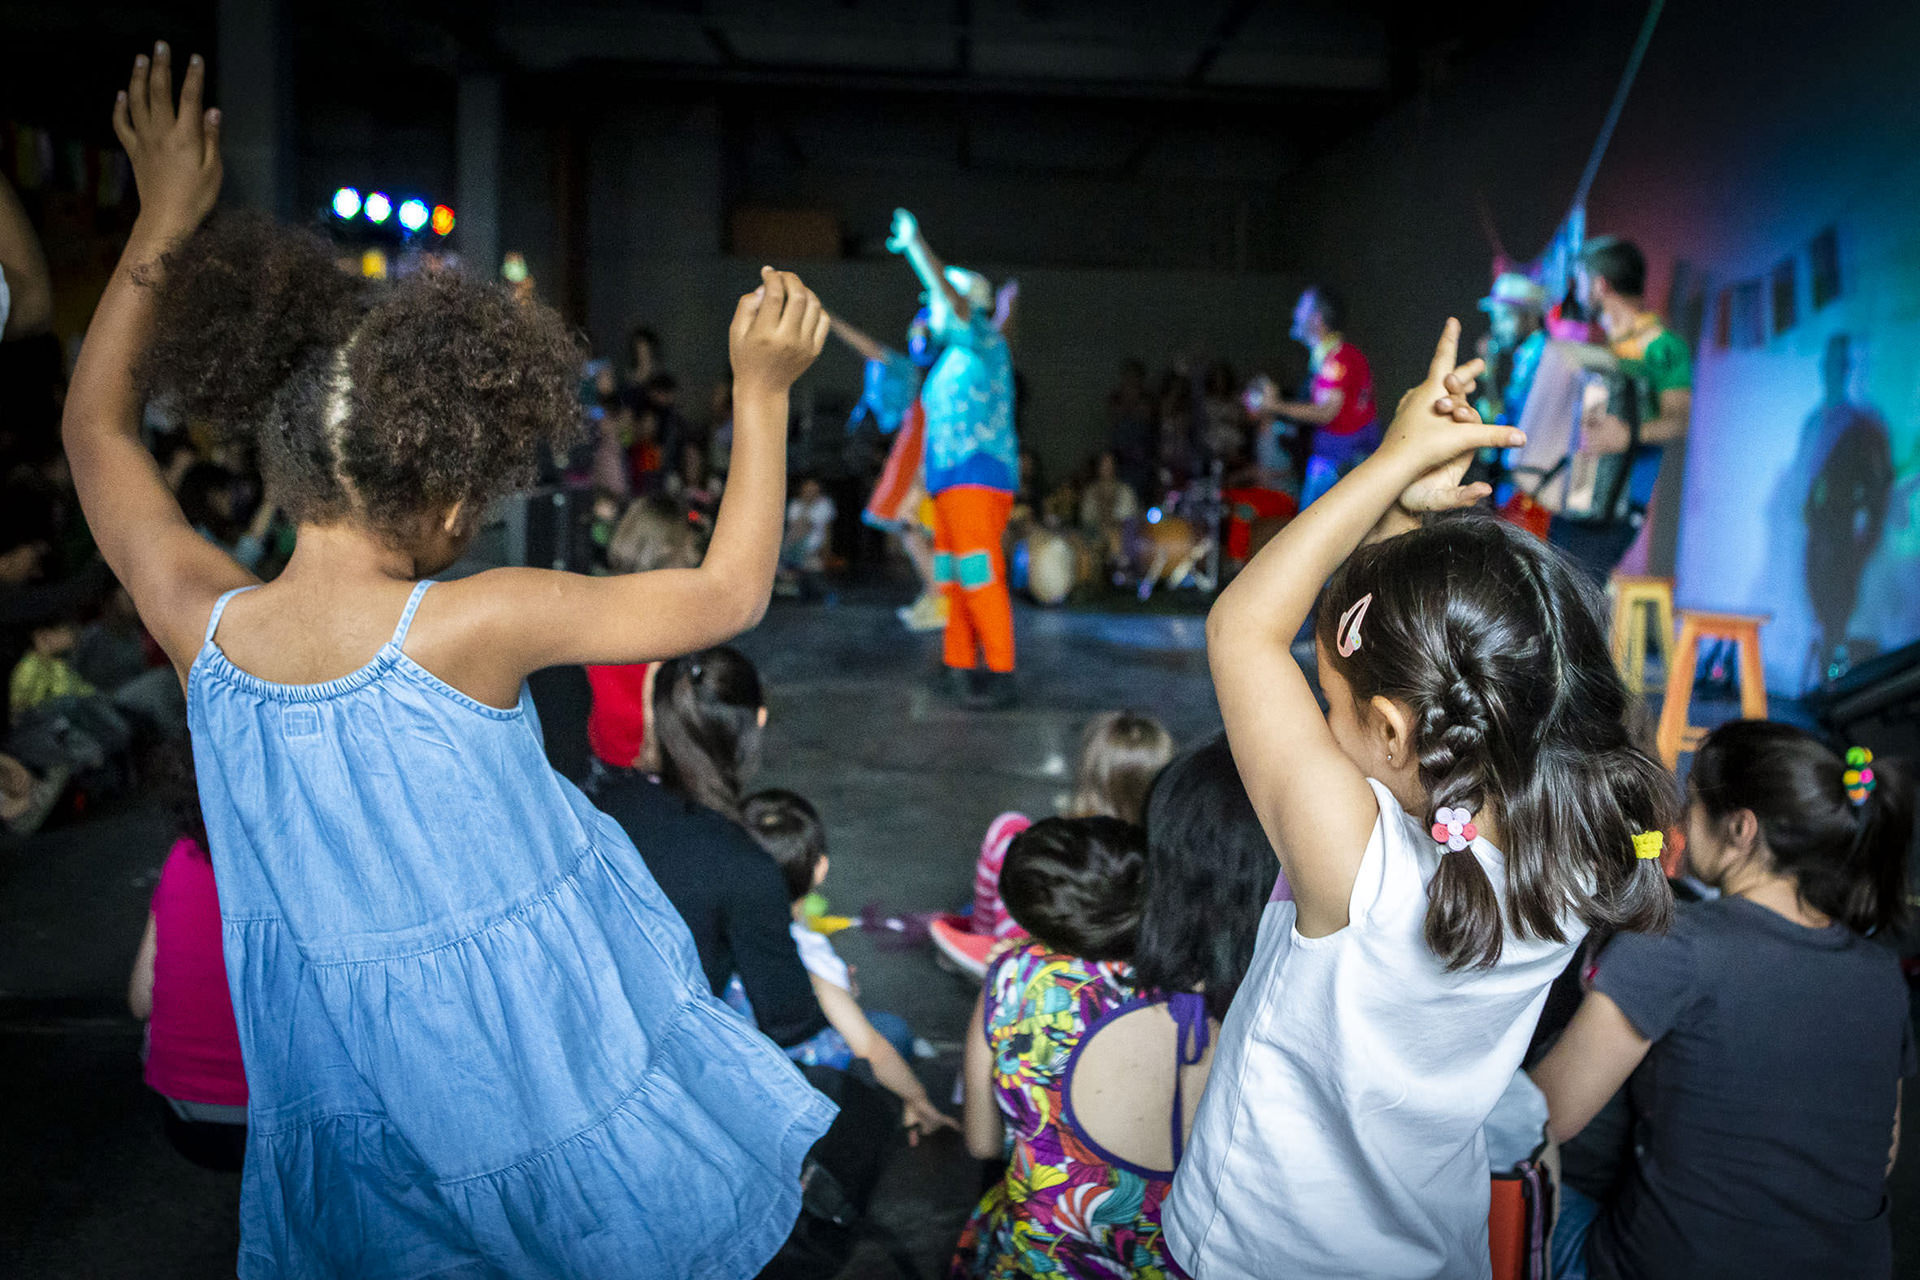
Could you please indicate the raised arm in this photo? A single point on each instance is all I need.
(25, 269)
(172, 572)
(866, 347)
(1312, 800)
(907, 240)
(517, 621)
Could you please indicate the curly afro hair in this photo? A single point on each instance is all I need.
(374, 401)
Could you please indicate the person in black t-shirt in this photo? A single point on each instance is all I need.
(707, 715)
(1766, 1036)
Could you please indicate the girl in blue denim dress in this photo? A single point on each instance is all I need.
(477, 1039)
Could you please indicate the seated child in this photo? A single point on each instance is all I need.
(803, 553)
(1121, 753)
(1075, 885)
(789, 829)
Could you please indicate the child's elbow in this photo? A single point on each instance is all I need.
(982, 1147)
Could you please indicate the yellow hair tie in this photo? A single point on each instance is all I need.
(1648, 844)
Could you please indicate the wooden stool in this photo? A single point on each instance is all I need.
(1633, 600)
(1676, 734)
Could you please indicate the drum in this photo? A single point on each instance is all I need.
(1052, 566)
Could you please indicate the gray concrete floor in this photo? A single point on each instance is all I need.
(90, 1187)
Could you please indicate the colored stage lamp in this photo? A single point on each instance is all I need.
(373, 264)
(514, 268)
(442, 219)
(378, 207)
(346, 203)
(413, 214)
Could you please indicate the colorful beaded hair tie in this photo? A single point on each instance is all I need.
(1859, 775)
(1649, 844)
(1454, 828)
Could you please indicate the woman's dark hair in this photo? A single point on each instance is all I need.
(1210, 871)
(706, 709)
(1849, 860)
(1493, 641)
(1074, 883)
(788, 827)
(1331, 306)
(366, 399)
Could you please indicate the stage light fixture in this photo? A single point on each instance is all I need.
(442, 219)
(346, 203)
(413, 214)
(378, 207)
(373, 264)
(514, 268)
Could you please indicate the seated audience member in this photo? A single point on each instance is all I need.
(803, 553)
(1764, 1040)
(706, 716)
(789, 829)
(58, 718)
(179, 989)
(651, 535)
(1074, 885)
(1106, 505)
(693, 488)
(1121, 752)
(26, 797)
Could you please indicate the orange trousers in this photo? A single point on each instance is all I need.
(969, 522)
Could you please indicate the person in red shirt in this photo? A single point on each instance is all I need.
(1341, 413)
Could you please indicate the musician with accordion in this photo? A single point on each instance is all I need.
(1600, 417)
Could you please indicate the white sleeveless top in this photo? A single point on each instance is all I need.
(1340, 1134)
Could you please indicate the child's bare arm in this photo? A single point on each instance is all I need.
(1595, 1055)
(172, 573)
(140, 983)
(985, 1131)
(907, 240)
(889, 1068)
(521, 620)
(1312, 800)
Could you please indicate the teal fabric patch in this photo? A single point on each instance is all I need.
(976, 570)
(942, 567)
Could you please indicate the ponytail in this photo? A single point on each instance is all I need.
(707, 716)
(1847, 855)
(1494, 644)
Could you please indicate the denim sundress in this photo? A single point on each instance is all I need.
(476, 1035)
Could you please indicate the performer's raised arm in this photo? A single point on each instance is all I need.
(907, 241)
(868, 348)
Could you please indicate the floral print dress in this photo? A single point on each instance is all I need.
(1062, 1209)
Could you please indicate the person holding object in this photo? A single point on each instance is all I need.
(476, 1034)
(972, 469)
(1650, 408)
(1464, 810)
(1341, 410)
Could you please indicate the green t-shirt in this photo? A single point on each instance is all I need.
(1652, 361)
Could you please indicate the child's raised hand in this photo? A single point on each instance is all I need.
(1435, 432)
(777, 331)
(175, 154)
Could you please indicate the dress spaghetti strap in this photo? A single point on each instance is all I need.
(220, 607)
(401, 627)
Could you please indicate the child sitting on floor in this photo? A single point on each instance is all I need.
(789, 829)
(1121, 753)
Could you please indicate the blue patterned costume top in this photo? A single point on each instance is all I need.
(969, 402)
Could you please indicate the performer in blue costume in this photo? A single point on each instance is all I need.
(972, 468)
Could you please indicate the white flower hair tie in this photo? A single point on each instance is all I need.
(1454, 829)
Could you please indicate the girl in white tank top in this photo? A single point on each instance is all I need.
(1467, 806)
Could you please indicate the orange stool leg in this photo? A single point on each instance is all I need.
(1673, 713)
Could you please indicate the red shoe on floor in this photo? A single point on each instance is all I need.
(966, 950)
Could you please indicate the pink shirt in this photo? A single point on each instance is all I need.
(193, 1049)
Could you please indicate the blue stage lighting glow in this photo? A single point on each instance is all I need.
(378, 207)
(413, 214)
(346, 203)
(1153, 515)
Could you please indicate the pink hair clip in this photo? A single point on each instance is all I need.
(1346, 636)
(1454, 828)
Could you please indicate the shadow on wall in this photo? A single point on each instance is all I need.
(1826, 517)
